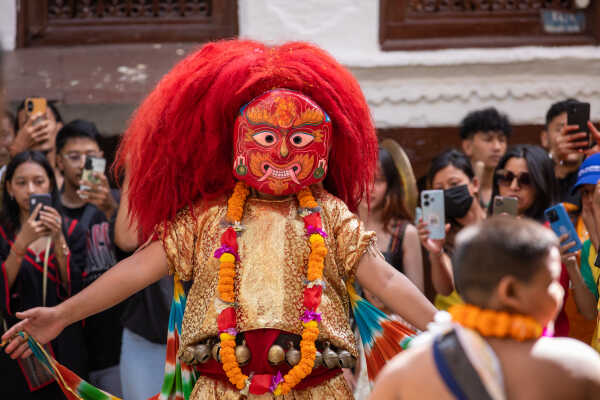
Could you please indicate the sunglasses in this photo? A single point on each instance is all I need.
(506, 178)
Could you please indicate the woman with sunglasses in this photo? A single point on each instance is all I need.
(24, 235)
(526, 173)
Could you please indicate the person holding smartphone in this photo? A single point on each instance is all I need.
(24, 234)
(37, 131)
(95, 208)
(567, 147)
(450, 171)
(76, 141)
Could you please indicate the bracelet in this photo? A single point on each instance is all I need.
(14, 250)
(64, 249)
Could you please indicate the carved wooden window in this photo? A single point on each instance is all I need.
(434, 24)
(81, 22)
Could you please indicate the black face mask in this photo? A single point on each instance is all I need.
(457, 201)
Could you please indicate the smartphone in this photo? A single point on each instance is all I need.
(36, 105)
(36, 199)
(561, 224)
(92, 164)
(505, 205)
(578, 113)
(432, 204)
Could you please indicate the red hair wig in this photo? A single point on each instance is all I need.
(178, 147)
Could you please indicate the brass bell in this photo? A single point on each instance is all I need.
(345, 359)
(216, 349)
(293, 355)
(202, 353)
(187, 357)
(242, 353)
(276, 354)
(330, 357)
(318, 359)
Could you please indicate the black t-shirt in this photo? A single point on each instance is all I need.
(565, 185)
(147, 312)
(104, 330)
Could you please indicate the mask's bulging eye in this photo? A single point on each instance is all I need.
(301, 139)
(265, 138)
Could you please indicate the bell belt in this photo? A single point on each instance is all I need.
(259, 342)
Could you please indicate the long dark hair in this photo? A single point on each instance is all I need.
(393, 203)
(9, 216)
(541, 171)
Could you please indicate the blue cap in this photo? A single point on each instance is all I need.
(589, 172)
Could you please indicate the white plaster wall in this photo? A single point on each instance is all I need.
(8, 24)
(429, 88)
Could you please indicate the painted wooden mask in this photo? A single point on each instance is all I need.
(281, 142)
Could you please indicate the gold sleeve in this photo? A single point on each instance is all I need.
(179, 238)
(350, 239)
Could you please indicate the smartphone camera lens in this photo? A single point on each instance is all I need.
(553, 216)
(29, 106)
(426, 204)
(426, 196)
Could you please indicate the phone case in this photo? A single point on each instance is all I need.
(561, 224)
(92, 164)
(432, 204)
(35, 199)
(579, 114)
(36, 105)
(505, 205)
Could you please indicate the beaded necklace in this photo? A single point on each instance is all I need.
(498, 324)
(226, 319)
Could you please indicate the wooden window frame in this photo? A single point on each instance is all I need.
(34, 29)
(399, 30)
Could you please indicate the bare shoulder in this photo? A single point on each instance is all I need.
(411, 374)
(411, 231)
(396, 374)
(576, 359)
(567, 351)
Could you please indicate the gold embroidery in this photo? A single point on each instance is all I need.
(270, 279)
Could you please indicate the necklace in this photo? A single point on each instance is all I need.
(498, 324)
(226, 307)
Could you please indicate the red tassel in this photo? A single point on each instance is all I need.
(312, 297)
(226, 319)
(313, 219)
(260, 383)
(229, 238)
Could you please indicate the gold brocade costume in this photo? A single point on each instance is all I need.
(273, 252)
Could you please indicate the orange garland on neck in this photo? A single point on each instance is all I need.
(498, 324)
(227, 255)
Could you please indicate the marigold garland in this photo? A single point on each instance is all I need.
(499, 324)
(226, 320)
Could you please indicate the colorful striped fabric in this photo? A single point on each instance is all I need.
(72, 385)
(179, 378)
(381, 336)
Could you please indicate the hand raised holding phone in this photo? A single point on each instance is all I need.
(94, 187)
(31, 230)
(433, 246)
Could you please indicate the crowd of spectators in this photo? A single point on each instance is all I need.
(48, 252)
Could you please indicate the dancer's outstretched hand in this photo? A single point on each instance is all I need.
(43, 323)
